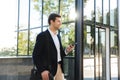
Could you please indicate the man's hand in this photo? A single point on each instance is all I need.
(70, 48)
(45, 75)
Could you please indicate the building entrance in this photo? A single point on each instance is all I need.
(102, 54)
(96, 58)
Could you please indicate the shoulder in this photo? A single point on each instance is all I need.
(42, 34)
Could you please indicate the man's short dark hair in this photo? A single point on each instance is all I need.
(52, 17)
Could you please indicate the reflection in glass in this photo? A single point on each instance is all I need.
(113, 13)
(89, 10)
(99, 11)
(88, 41)
(67, 33)
(100, 54)
(45, 28)
(33, 35)
(8, 22)
(114, 54)
(67, 10)
(35, 13)
(24, 7)
(49, 6)
(23, 43)
(106, 14)
(114, 68)
(114, 39)
(114, 43)
(88, 53)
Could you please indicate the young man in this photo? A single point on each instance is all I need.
(48, 43)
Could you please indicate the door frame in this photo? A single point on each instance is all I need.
(107, 53)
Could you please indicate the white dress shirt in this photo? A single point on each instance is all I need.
(57, 43)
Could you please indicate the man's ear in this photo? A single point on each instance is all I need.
(51, 21)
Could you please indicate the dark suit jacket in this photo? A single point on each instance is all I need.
(40, 53)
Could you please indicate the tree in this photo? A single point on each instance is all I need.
(22, 43)
(8, 51)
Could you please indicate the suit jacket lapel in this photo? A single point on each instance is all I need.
(59, 38)
(50, 39)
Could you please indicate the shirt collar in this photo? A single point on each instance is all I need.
(52, 32)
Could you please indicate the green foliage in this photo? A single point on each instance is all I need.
(8, 52)
(68, 35)
(31, 46)
(35, 0)
(22, 43)
(37, 5)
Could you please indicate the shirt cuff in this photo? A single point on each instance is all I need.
(66, 52)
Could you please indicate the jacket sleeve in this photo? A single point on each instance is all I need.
(40, 53)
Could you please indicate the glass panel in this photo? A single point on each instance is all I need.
(8, 34)
(67, 33)
(67, 10)
(114, 54)
(114, 42)
(89, 8)
(100, 54)
(106, 14)
(113, 13)
(99, 11)
(88, 57)
(88, 41)
(33, 35)
(97, 61)
(45, 28)
(24, 7)
(35, 13)
(114, 39)
(50, 6)
(23, 43)
(69, 68)
(114, 68)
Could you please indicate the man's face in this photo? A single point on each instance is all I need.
(57, 23)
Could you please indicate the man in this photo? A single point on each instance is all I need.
(48, 43)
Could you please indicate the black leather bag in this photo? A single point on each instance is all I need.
(51, 76)
(34, 74)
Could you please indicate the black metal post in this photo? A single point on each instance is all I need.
(18, 26)
(29, 29)
(118, 38)
(79, 40)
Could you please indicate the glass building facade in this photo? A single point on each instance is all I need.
(93, 25)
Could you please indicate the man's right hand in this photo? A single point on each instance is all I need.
(45, 75)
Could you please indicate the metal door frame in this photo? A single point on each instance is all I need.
(107, 52)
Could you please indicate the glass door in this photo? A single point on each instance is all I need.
(100, 54)
(96, 58)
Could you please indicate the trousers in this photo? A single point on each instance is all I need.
(59, 75)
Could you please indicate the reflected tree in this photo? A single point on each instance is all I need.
(8, 51)
(22, 43)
